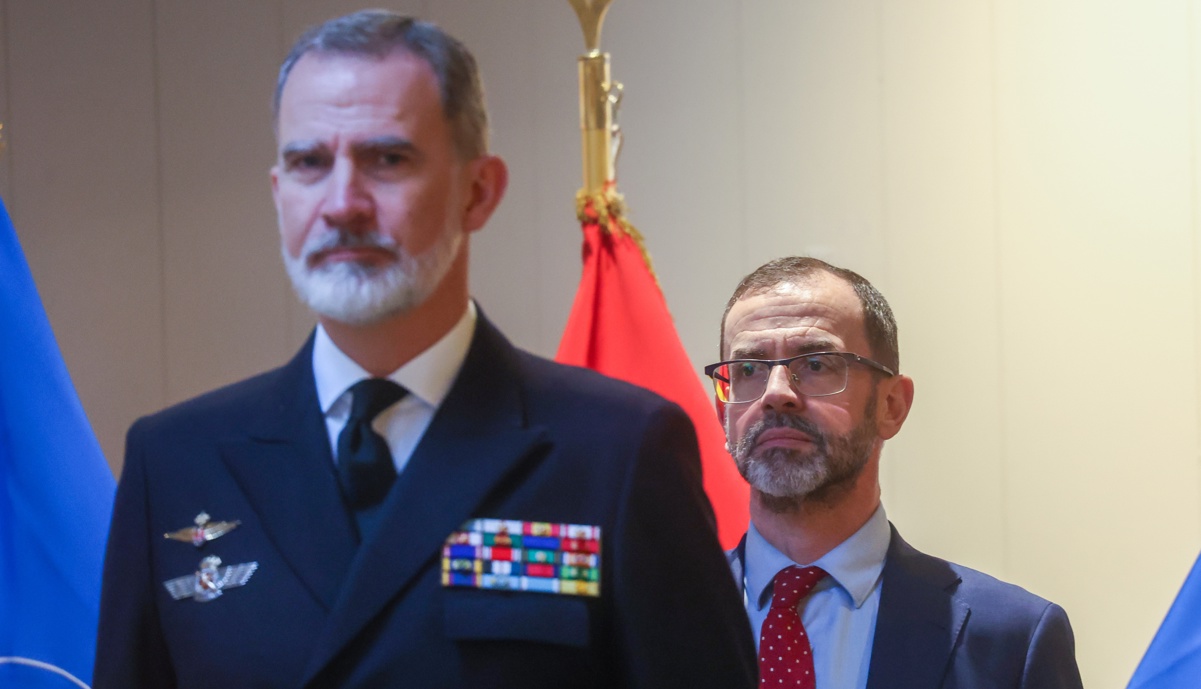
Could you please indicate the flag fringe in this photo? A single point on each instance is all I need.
(607, 209)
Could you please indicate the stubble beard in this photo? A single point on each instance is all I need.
(359, 294)
(786, 479)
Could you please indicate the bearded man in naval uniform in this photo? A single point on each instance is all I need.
(358, 511)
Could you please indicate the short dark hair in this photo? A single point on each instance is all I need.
(376, 34)
(878, 321)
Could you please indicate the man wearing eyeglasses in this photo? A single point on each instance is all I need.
(809, 391)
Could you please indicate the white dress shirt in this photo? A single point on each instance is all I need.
(428, 378)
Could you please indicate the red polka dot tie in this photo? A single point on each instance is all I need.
(784, 657)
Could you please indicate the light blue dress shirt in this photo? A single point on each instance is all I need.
(840, 615)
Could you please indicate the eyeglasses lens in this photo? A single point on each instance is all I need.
(812, 375)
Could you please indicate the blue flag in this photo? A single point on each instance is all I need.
(1174, 659)
(56, 496)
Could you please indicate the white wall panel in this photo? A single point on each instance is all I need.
(813, 126)
(1098, 310)
(556, 266)
(226, 292)
(942, 278)
(84, 195)
(299, 15)
(5, 79)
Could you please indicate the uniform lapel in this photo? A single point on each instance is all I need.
(919, 622)
(284, 467)
(477, 438)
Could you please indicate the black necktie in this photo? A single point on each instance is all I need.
(365, 465)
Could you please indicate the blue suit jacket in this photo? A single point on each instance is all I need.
(518, 438)
(944, 626)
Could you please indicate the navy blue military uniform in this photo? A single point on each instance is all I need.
(517, 438)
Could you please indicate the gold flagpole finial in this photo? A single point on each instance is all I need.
(599, 96)
(592, 15)
(598, 201)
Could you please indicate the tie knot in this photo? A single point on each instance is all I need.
(794, 583)
(371, 396)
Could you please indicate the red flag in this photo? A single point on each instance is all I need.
(620, 326)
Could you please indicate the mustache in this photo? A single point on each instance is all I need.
(774, 419)
(338, 238)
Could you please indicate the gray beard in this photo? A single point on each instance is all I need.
(788, 478)
(362, 295)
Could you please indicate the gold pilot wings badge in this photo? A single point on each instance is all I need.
(203, 532)
(210, 580)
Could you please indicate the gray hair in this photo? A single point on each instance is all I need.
(878, 322)
(376, 34)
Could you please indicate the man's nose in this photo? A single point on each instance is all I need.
(348, 201)
(781, 392)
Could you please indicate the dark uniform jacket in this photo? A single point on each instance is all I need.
(517, 438)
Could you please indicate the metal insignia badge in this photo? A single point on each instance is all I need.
(210, 580)
(203, 532)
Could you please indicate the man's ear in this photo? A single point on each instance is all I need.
(893, 406)
(487, 179)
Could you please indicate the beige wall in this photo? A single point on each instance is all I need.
(1018, 176)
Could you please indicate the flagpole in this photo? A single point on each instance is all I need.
(619, 307)
(599, 96)
(598, 200)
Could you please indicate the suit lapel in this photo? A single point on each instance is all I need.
(919, 621)
(737, 559)
(284, 467)
(477, 438)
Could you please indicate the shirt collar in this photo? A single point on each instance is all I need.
(855, 564)
(427, 377)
